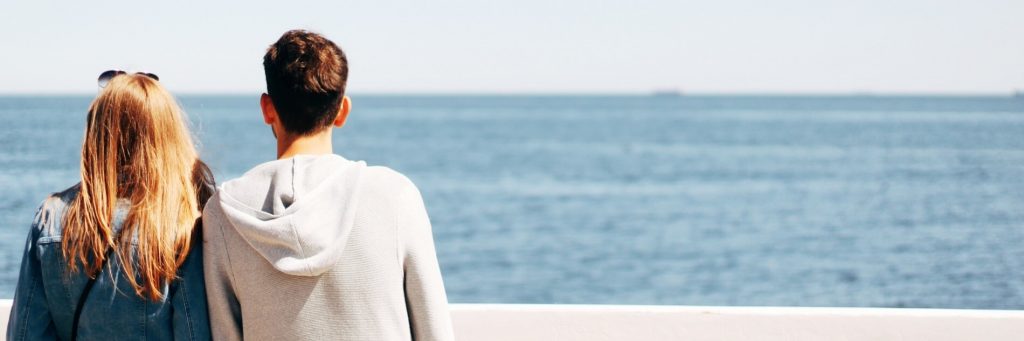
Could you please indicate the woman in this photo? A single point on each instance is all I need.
(116, 256)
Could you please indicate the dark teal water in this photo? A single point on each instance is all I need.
(803, 201)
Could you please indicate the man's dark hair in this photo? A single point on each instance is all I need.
(306, 75)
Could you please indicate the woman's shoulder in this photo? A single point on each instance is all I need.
(51, 210)
(58, 201)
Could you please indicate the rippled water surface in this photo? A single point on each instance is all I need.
(805, 201)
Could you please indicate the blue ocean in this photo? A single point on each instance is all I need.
(693, 200)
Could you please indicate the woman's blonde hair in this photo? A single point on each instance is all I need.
(137, 147)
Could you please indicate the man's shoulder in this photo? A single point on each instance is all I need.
(255, 171)
(386, 175)
(387, 180)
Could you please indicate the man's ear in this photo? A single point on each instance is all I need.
(343, 110)
(269, 112)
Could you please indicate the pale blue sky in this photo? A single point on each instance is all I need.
(530, 46)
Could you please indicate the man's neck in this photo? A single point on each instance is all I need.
(316, 144)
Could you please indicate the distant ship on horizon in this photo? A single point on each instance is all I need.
(667, 93)
(1018, 94)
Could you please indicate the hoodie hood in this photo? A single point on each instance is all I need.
(297, 212)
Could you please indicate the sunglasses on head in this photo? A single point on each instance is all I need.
(106, 76)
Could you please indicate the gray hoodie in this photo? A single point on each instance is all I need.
(320, 247)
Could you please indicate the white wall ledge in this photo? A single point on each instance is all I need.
(603, 322)
(625, 322)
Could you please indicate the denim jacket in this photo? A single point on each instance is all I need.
(46, 296)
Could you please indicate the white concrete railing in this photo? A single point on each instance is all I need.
(611, 322)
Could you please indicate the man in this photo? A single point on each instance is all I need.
(312, 246)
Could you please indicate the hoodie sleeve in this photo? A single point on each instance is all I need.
(225, 311)
(424, 290)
